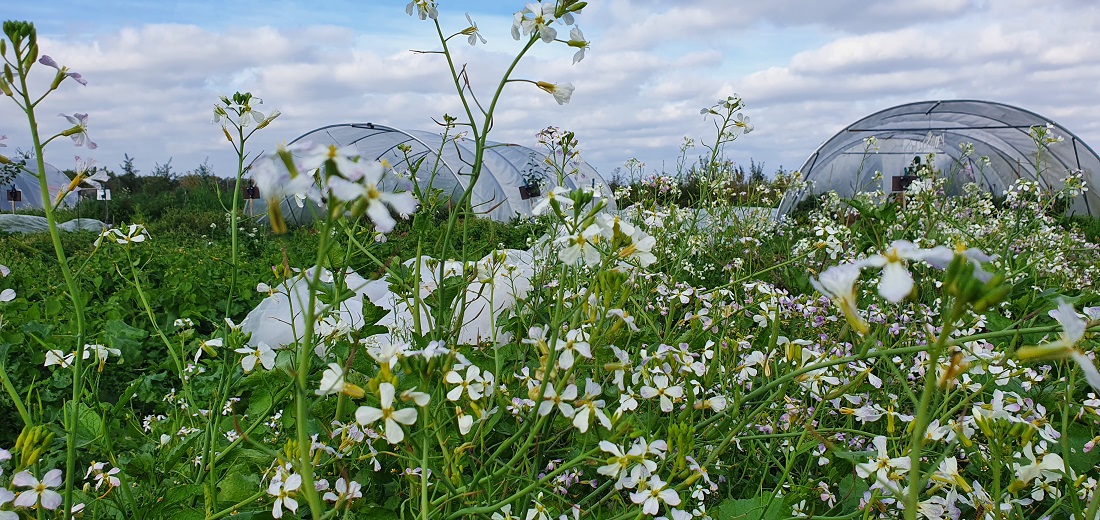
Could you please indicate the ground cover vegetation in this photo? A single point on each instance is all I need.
(886, 356)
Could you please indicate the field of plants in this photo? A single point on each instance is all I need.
(884, 356)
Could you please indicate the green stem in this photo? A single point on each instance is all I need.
(232, 509)
(233, 226)
(70, 283)
(920, 424)
(302, 400)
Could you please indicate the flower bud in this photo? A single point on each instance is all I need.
(32, 55)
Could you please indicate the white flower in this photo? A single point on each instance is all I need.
(473, 384)
(392, 417)
(885, 469)
(59, 358)
(541, 16)
(472, 32)
(551, 398)
(581, 246)
(655, 492)
(39, 492)
(588, 407)
(537, 511)
(262, 354)
(6, 496)
(507, 513)
(562, 92)
(281, 490)
(576, 39)
(425, 9)
(1073, 330)
(558, 194)
(79, 132)
(7, 295)
(572, 344)
(101, 477)
(346, 491)
(838, 284)
(941, 257)
(895, 282)
(662, 389)
(332, 380)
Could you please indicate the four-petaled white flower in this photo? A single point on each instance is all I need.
(333, 382)
(552, 398)
(101, 353)
(885, 470)
(581, 246)
(588, 407)
(895, 282)
(425, 9)
(1073, 330)
(345, 490)
(654, 492)
(663, 390)
(557, 195)
(6, 496)
(541, 16)
(282, 491)
(472, 32)
(573, 345)
(392, 417)
(39, 492)
(262, 354)
(473, 384)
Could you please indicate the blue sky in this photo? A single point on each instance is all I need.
(805, 68)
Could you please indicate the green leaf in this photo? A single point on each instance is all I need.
(238, 486)
(126, 339)
(1080, 461)
(755, 508)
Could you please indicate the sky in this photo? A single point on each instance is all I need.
(806, 69)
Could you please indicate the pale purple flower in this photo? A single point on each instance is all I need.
(49, 62)
(79, 131)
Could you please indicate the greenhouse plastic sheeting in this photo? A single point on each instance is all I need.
(497, 192)
(846, 163)
(27, 183)
(501, 277)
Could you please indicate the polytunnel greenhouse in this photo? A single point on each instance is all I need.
(22, 191)
(504, 190)
(906, 134)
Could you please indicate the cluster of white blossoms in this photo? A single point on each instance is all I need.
(330, 177)
(589, 237)
(133, 234)
(895, 282)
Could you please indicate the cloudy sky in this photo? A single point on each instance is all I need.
(806, 69)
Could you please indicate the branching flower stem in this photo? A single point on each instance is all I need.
(75, 295)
